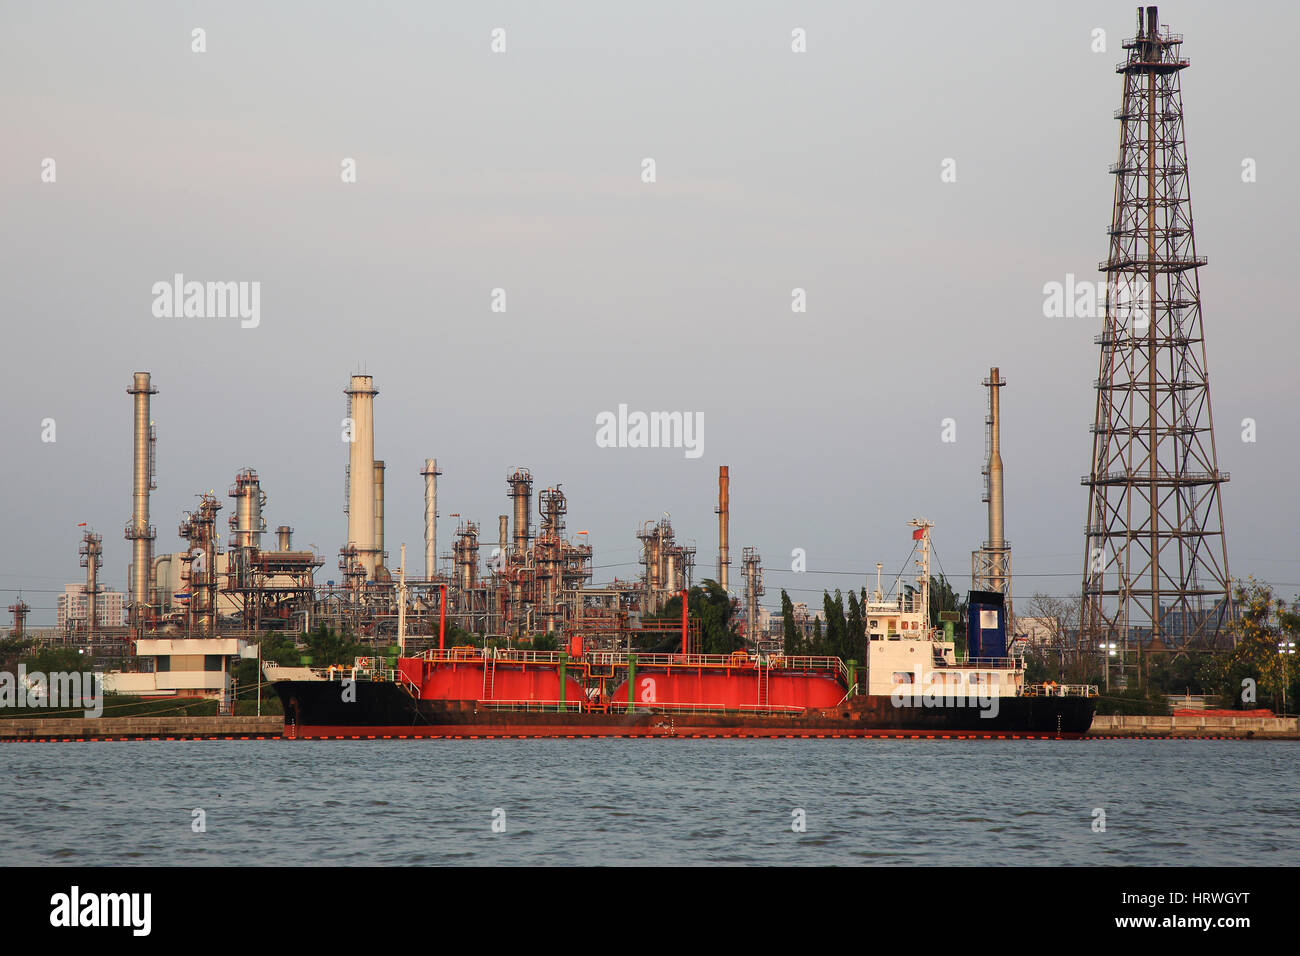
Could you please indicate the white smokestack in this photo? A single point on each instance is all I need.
(361, 472)
(430, 474)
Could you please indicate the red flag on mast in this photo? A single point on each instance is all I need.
(918, 534)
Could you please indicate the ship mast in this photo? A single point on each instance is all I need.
(923, 534)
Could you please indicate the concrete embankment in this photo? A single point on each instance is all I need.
(141, 728)
(1244, 728)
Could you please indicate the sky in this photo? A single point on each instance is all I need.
(523, 170)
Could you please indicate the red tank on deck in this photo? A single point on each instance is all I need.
(471, 677)
(735, 685)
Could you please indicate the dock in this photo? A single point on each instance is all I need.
(141, 728)
(1213, 727)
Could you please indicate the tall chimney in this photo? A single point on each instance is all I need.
(996, 529)
(521, 491)
(361, 472)
(430, 474)
(139, 532)
(379, 512)
(284, 537)
(503, 539)
(724, 521)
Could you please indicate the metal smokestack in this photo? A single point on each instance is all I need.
(521, 491)
(430, 474)
(379, 512)
(247, 522)
(724, 521)
(284, 537)
(139, 532)
(92, 549)
(996, 528)
(503, 538)
(361, 472)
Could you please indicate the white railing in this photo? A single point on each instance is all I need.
(539, 706)
(661, 706)
(501, 654)
(983, 663)
(1060, 690)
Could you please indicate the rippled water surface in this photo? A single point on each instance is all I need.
(651, 802)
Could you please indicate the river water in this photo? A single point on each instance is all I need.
(651, 802)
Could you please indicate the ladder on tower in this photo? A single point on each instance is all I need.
(489, 673)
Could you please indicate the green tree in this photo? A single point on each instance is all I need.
(818, 645)
(836, 627)
(855, 648)
(50, 659)
(12, 649)
(944, 598)
(1263, 622)
(328, 647)
(712, 608)
(280, 648)
(793, 639)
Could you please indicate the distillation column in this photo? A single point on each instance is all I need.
(139, 532)
(92, 550)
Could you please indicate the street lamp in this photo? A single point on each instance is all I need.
(1109, 647)
(1284, 648)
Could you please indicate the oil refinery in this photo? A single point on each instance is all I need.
(533, 579)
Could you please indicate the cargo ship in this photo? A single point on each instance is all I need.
(913, 683)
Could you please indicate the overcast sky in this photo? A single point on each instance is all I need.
(522, 170)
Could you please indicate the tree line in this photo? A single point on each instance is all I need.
(844, 633)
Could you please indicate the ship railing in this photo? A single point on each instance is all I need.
(736, 659)
(501, 654)
(1061, 690)
(644, 707)
(350, 672)
(811, 663)
(620, 659)
(983, 663)
(536, 706)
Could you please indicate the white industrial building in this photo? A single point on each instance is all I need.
(74, 607)
(182, 667)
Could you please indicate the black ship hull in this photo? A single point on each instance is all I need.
(321, 709)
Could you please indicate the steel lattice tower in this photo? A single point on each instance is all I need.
(1156, 558)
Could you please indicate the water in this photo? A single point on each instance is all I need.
(651, 802)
